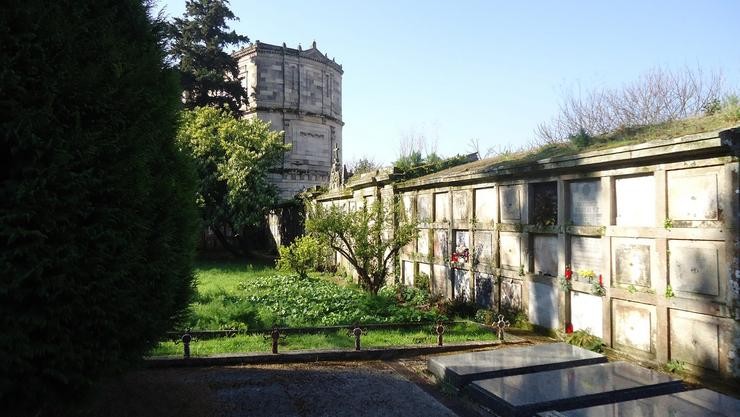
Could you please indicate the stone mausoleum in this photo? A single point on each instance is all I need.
(300, 92)
(648, 230)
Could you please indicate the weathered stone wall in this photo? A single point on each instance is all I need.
(300, 93)
(657, 222)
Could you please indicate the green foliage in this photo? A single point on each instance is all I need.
(667, 224)
(258, 301)
(363, 236)
(208, 74)
(421, 281)
(631, 288)
(586, 340)
(414, 165)
(669, 292)
(403, 294)
(458, 307)
(300, 256)
(675, 366)
(485, 316)
(581, 139)
(96, 203)
(516, 317)
(232, 157)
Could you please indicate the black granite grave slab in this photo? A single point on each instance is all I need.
(460, 369)
(698, 403)
(566, 389)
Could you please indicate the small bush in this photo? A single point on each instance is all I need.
(584, 339)
(300, 256)
(458, 307)
(581, 139)
(421, 281)
(485, 316)
(675, 366)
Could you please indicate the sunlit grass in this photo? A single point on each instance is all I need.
(375, 338)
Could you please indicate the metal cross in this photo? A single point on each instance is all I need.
(439, 329)
(501, 325)
(357, 332)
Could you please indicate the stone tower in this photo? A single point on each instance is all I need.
(300, 92)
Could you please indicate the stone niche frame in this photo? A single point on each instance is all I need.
(634, 328)
(584, 202)
(543, 203)
(634, 263)
(696, 269)
(511, 197)
(626, 190)
(694, 197)
(485, 206)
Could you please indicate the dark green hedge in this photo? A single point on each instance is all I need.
(96, 204)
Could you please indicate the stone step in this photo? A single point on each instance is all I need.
(698, 403)
(460, 369)
(566, 389)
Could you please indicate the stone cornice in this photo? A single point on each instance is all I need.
(278, 109)
(312, 54)
(698, 146)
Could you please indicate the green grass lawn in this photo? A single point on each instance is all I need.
(253, 297)
(375, 338)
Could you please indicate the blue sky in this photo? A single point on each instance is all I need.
(489, 70)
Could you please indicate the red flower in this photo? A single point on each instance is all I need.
(568, 328)
(568, 273)
(601, 280)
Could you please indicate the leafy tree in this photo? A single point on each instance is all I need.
(208, 74)
(232, 158)
(366, 237)
(96, 211)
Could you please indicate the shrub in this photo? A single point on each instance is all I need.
(421, 281)
(300, 256)
(580, 139)
(96, 202)
(586, 340)
(485, 316)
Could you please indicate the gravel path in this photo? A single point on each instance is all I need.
(305, 390)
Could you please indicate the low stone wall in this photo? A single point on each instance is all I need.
(655, 224)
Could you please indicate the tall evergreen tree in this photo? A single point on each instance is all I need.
(208, 74)
(97, 218)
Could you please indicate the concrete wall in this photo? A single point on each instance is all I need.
(657, 222)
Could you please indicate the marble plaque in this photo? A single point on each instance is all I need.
(422, 244)
(424, 208)
(484, 286)
(441, 207)
(440, 243)
(440, 279)
(563, 389)
(510, 249)
(694, 339)
(511, 202)
(460, 205)
(693, 194)
(485, 205)
(543, 305)
(408, 205)
(484, 246)
(545, 254)
(696, 403)
(462, 284)
(586, 313)
(511, 293)
(633, 325)
(694, 266)
(462, 368)
(585, 254)
(408, 273)
(584, 203)
(635, 201)
(462, 240)
(632, 261)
